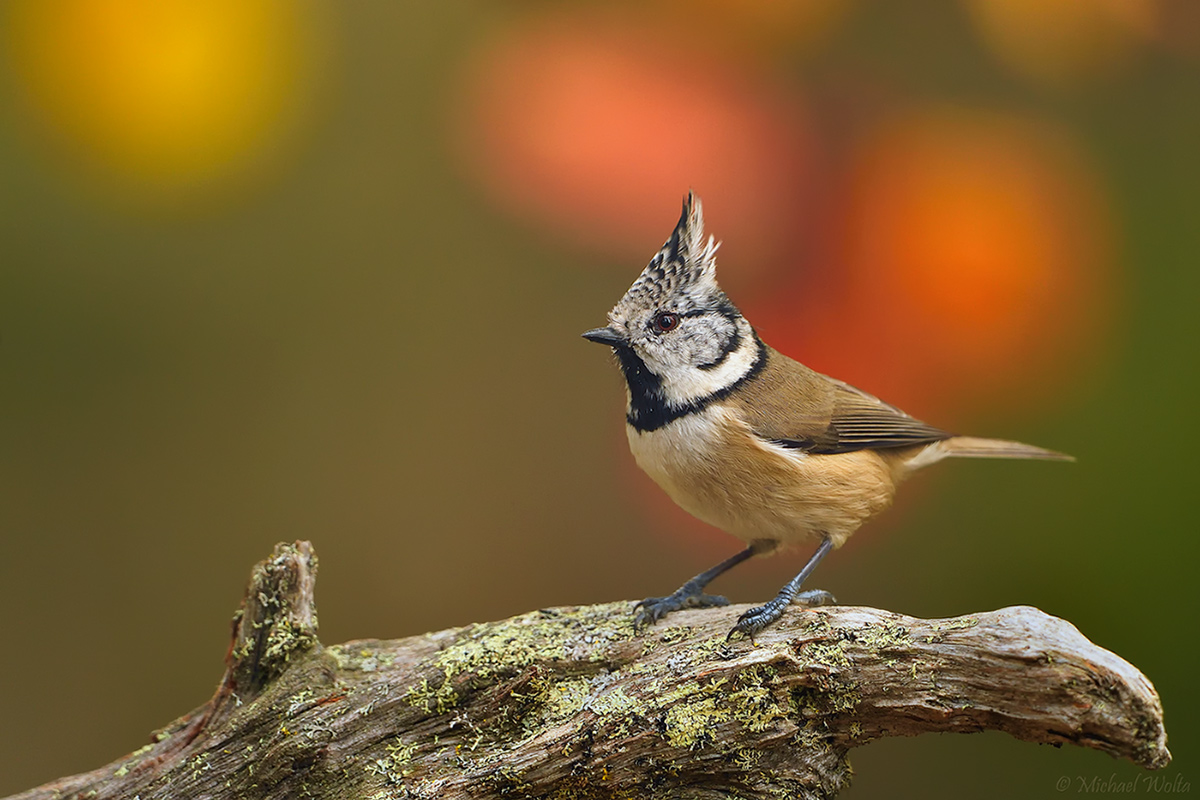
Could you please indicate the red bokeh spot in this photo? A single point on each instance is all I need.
(598, 131)
(969, 265)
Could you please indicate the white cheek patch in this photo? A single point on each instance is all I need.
(688, 384)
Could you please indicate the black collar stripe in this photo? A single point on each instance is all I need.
(649, 410)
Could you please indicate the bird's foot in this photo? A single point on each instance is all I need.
(652, 609)
(762, 617)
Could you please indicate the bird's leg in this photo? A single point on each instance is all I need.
(756, 619)
(690, 595)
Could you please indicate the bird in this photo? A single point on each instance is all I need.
(749, 440)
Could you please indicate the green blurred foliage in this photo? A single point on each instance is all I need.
(356, 349)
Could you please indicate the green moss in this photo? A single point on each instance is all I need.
(284, 639)
(587, 786)
(811, 735)
(755, 701)
(690, 713)
(827, 654)
(690, 723)
(134, 758)
(491, 649)
(712, 646)
(200, 764)
(561, 701)
(509, 781)
(538, 636)
(432, 699)
(676, 634)
(400, 757)
(845, 699)
(747, 760)
(834, 650)
(883, 637)
(613, 703)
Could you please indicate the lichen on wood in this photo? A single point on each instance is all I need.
(574, 703)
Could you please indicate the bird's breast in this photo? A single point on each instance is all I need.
(715, 468)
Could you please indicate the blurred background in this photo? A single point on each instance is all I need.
(291, 269)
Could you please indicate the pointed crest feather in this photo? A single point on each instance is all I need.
(686, 263)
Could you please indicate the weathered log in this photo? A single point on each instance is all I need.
(573, 702)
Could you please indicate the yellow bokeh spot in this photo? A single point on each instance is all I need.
(168, 94)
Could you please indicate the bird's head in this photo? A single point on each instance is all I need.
(675, 332)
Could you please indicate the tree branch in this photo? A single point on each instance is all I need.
(572, 702)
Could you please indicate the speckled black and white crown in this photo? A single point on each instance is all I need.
(684, 270)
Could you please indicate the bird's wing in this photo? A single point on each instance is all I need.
(860, 421)
(823, 415)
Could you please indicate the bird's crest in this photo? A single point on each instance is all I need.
(684, 269)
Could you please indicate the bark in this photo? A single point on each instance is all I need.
(573, 703)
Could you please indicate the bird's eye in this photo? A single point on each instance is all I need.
(665, 321)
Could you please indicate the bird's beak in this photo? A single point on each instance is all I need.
(606, 336)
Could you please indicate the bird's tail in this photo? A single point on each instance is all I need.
(974, 447)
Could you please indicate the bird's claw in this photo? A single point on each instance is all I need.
(756, 620)
(759, 618)
(652, 609)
